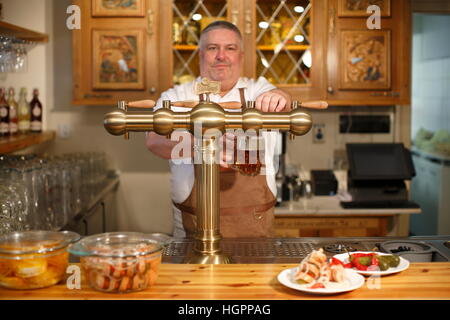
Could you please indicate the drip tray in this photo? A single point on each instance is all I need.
(282, 250)
(293, 250)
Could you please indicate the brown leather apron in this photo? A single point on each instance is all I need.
(246, 204)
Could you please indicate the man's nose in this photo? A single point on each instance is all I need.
(220, 54)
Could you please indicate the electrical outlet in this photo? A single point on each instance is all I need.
(64, 130)
(318, 133)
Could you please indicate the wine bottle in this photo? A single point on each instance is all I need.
(24, 112)
(13, 120)
(4, 114)
(36, 113)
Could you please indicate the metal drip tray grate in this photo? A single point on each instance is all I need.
(257, 251)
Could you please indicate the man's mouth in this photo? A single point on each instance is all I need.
(220, 66)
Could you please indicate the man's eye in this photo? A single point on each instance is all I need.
(212, 48)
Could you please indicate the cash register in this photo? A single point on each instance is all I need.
(377, 174)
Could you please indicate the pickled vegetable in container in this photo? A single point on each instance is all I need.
(34, 259)
(119, 262)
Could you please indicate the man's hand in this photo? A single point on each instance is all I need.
(227, 142)
(274, 100)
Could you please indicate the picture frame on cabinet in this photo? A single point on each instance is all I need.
(358, 8)
(365, 59)
(118, 59)
(118, 8)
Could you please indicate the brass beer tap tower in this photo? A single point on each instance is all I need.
(208, 115)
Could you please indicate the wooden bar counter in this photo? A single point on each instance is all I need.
(254, 282)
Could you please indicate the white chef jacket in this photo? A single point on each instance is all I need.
(182, 174)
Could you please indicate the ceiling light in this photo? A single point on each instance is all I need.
(299, 38)
(197, 17)
(299, 9)
(263, 25)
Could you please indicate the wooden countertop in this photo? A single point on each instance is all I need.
(427, 281)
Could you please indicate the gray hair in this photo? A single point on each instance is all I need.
(220, 24)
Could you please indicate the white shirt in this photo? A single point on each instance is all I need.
(182, 174)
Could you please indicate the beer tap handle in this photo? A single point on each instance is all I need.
(123, 105)
(192, 103)
(314, 104)
(141, 104)
(250, 104)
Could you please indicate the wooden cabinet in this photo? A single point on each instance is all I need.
(369, 66)
(331, 226)
(116, 53)
(284, 41)
(304, 47)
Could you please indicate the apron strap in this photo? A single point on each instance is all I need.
(242, 95)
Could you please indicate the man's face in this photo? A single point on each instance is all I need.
(221, 57)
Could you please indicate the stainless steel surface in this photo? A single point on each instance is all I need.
(293, 250)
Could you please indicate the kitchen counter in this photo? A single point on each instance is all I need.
(324, 216)
(255, 281)
(330, 205)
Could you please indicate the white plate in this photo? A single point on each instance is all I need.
(403, 265)
(353, 281)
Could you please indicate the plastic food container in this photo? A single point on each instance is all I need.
(119, 262)
(34, 259)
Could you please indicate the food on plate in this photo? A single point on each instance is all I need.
(121, 274)
(370, 261)
(316, 270)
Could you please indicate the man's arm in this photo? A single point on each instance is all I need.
(275, 100)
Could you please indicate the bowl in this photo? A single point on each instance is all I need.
(119, 262)
(34, 259)
(413, 251)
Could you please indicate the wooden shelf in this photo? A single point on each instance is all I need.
(185, 47)
(301, 47)
(22, 141)
(11, 30)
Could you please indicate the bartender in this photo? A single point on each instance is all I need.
(246, 202)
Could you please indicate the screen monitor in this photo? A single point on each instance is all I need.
(379, 161)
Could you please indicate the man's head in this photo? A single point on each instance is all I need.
(221, 53)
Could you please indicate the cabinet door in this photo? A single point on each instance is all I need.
(369, 66)
(115, 53)
(285, 42)
(180, 31)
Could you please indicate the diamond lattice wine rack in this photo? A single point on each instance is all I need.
(283, 41)
(279, 30)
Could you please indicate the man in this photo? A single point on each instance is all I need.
(246, 202)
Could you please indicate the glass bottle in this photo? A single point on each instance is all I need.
(275, 30)
(24, 112)
(4, 114)
(192, 32)
(13, 120)
(36, 113)
(176, 31)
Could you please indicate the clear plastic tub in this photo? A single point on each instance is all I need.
(34, 259)
(119, 262)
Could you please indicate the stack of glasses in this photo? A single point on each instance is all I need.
(46, 192)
